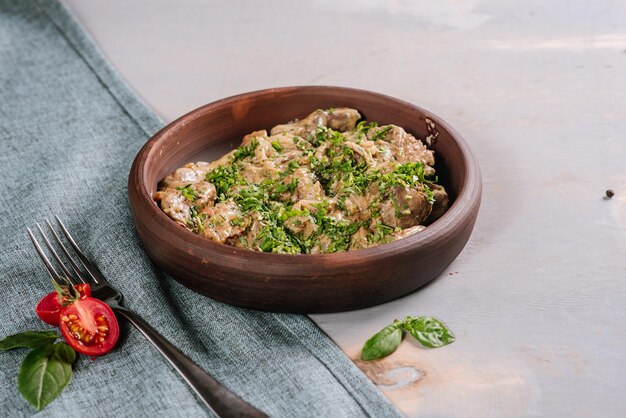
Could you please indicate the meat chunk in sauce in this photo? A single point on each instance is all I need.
(405, 207)
(325, 183)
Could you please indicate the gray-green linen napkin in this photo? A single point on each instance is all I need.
(69, 129)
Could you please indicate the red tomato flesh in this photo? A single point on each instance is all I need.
(50, 306)
(89, 326)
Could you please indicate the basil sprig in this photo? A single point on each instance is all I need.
(45, 372)
(383, 343)
(429, 331)
(46, 369)
(28, 339)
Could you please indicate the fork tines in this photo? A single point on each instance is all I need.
(82, 271)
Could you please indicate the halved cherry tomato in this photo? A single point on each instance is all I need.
(50, 306)
(89, 326)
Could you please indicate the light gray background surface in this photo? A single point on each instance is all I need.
(537, 88)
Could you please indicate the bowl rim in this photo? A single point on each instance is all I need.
(465, 202)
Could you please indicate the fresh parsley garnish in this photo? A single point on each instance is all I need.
(331, 158)
(223, 178)
(277, 146)
(381, 133)
(188, 192)
(245, 151)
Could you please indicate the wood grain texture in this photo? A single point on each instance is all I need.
(299, 283)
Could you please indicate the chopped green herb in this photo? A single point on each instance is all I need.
(273, 238)
(188, 192)
(196, 220)
(223, 178)
(381, 234)
(407, 175)
(246, 151)
(364, 126)
(381, 133)
(285, 187)
(264, 190)
(293, 166)
(277, 146)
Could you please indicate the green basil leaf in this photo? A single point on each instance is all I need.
(430, 332)
(44, 373)
(28, 339)
(65, 353)
(383, 343)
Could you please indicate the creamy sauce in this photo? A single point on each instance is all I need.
(322, 184)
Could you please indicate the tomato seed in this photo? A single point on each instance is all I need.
(82, 334)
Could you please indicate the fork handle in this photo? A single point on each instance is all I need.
(221, 401)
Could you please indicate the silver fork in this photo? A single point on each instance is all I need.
(216, 397)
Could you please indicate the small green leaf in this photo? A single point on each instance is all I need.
(383, 343)
(28, 339)
(381, 133)
(277, 146)
(65, 353)
(430, 332)
(44, 373)
(188, 193)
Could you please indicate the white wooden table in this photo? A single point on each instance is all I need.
(537, 88)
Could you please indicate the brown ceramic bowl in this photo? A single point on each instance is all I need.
(299, 283)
